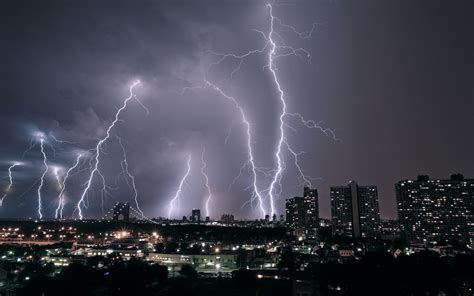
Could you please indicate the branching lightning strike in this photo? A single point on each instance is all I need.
(275, 50)
(206, 182)
(46, 169)
(61, 202)
(127, 174)
(175, 200)
(56, 171)
(98, 149)
(10, 184)
(60, 141)
(256, 194)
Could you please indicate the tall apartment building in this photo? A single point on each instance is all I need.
(436, 210)
(302, 214)
(355, 210)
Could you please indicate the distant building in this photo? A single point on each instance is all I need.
(302, 214)
(227, 218)
(196, 215)
(125, 252)
(355, 210)
(201, 262)
(121, 212)
(436, 210)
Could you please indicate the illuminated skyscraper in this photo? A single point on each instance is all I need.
(436, 210)
(302, 214)
(355, 210)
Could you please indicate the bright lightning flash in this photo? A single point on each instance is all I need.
(175, 200)
(46, 169)
(206, 182)
(276, 48)
(126, 172)
(256, 194)
(61, 202)
(9, 187)
(97, 152)
(56, 171)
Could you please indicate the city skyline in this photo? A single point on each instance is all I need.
(68, 70)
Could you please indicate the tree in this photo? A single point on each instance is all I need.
(189, 272)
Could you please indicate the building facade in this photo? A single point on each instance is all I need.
(202, 262)
(302, 214)
(355, 210)
(436, 210)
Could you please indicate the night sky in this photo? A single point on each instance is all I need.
(394, 79)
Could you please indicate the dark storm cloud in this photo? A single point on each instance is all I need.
(394, 79)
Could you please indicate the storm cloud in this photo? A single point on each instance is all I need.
(393, 79)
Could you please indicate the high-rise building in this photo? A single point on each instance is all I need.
(436, 210)
(355, 210)
(196, 215)
(302, 214)
(121, 212)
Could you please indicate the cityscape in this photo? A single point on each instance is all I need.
(241, 148)
(290, 254)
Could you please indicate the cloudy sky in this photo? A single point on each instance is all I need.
(393, 79)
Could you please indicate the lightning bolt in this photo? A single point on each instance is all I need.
(46, 169)
(56, 171)
(311, 124)
(9, 187)
(273, 54)
(304, 179)
(60, 141)
(175, 199)
(206, 183)
(126, 172)
(256, 194)
(33, 141)
(98, 149)
(277, 49)
(59, 209)
(273, 69)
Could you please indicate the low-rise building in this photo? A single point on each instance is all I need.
(202, 262)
